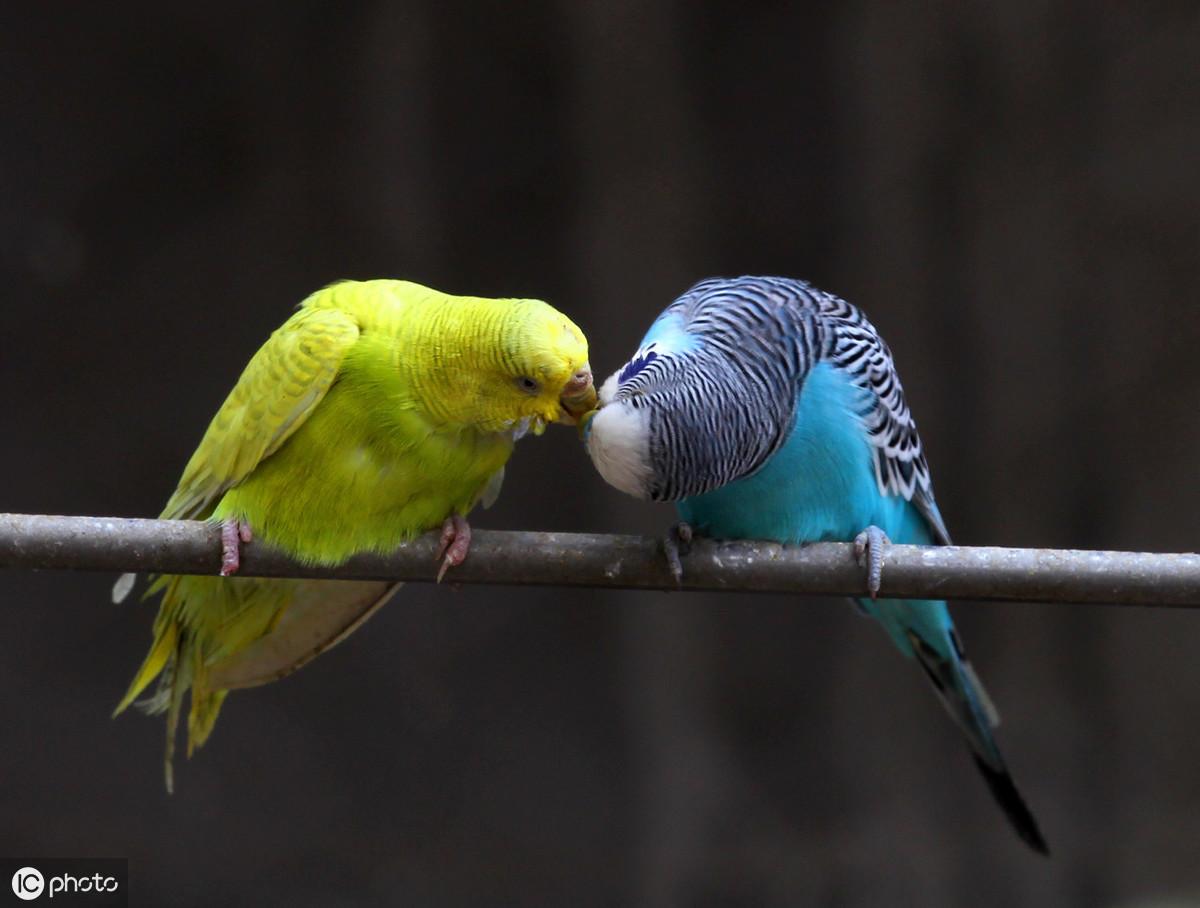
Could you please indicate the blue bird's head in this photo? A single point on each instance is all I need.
(710, 393)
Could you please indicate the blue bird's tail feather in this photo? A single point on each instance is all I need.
(968, 704)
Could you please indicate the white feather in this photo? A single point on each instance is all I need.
(618, 442)
(609, 389)
(122, 587)
(492, 490)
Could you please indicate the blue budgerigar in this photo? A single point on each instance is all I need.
(768, 409)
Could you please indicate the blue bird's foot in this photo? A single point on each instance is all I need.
(677, 543)
(868, 546)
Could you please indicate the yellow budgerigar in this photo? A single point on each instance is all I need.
(380, 410)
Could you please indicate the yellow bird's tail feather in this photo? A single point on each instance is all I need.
(175, 689)
(216, 634)
(178, 662)
(161, 652)
(178, 659)
(206, 704)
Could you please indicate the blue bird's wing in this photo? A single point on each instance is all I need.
(900, 465)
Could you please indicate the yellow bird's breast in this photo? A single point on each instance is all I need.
(348, 481)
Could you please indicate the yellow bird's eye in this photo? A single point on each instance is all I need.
(528, 385)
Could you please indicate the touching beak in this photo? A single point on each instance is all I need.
(578, 396)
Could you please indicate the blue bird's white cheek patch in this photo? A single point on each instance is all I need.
(608, 391)
(618, 441)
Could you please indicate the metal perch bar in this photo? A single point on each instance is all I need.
(38, 542)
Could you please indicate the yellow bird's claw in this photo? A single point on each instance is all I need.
(454, 544)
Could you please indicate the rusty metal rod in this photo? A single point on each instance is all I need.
(38, 542)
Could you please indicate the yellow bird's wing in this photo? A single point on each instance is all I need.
(276, 392)
(280, 387)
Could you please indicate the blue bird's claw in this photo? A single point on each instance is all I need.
(677, 543)
(868, 546)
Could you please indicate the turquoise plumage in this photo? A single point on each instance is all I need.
(768, 409)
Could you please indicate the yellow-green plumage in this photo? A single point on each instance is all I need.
(379, 409)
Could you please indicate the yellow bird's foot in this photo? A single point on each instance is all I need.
(454, 545)
(233, 534)
(868, 546)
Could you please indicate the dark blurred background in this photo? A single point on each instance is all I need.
(1011, 191)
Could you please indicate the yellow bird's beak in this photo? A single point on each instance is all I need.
(578, 397)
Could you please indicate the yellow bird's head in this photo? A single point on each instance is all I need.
(540, 374)
(497, 365)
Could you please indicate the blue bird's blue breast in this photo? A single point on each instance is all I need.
(820, 486)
